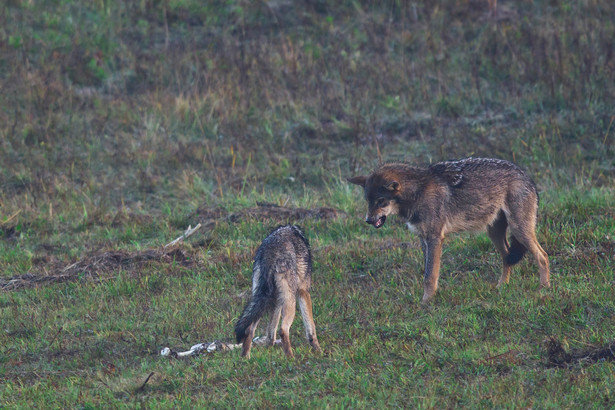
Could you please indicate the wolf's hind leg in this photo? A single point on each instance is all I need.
(497, 234)
(305, 306)
(247, 342)
(273, 325)
(527, 238)
(288, 315)
(541, 258)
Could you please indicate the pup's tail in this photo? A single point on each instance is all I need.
(253, 311)
(515, 251)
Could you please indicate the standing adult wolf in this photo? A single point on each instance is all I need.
(471, 194)
(281, 274)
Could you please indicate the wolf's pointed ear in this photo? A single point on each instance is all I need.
(392, 186)
(358, 180)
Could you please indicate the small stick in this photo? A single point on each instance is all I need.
(497, 356)
(186, 234)
(11, 217)
(145, 382)
(70, 266)
(605, 135)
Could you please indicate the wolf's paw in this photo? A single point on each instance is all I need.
(501, 283)
(427, 298)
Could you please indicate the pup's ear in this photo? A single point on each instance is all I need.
(392, 186)
(358, 180)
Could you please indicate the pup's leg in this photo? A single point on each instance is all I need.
(432, 252)
(305, 306)
(247, 342)
(288, 315)
(497, 234)
(273, 325)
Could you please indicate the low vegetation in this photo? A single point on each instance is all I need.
(122, 123)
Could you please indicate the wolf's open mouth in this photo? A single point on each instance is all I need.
(380, 221)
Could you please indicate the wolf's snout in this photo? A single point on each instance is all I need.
(377, 222)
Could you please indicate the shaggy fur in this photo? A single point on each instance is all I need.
(281, 275)
(472, 194)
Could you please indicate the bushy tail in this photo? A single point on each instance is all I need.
(515, 251)
(253, 311)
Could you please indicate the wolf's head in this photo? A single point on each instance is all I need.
(383, 193)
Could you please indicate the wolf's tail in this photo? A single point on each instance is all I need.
(515, 251)
(253, 311)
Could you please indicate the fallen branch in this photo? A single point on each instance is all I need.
(212, 347)
(186, 234)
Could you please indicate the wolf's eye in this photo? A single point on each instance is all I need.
(381, 203)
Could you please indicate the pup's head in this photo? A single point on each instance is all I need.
(382, 194)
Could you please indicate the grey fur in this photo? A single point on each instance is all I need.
(472, 194)
(281, 274)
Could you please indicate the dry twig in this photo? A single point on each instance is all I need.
(186, 234)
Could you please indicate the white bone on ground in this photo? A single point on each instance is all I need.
(213, 346)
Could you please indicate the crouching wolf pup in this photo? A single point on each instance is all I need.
(282, 273)
(471, 194)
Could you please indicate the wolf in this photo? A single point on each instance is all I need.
(281, 275)
(471, 194)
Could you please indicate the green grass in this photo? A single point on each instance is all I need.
(122, 124)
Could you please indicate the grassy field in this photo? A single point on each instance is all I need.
(121, 123)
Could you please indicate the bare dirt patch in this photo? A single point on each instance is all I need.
(9, 232)
(557, 356)
(95, 266)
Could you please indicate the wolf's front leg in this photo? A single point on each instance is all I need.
(432, 251)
